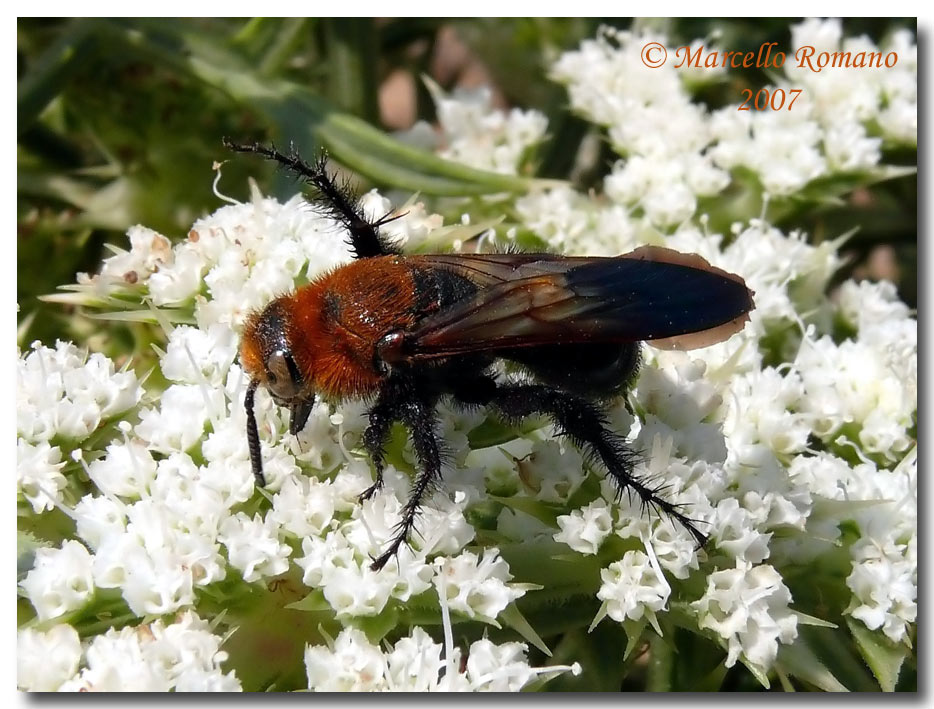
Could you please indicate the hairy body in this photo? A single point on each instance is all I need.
(404, 331)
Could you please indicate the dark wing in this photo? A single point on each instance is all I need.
(487, 270)
(673, 299)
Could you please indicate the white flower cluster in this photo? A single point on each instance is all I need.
(164, 518)
(62, 397)
(183, 656)
(845, 100)
(675, 152)
(477, 587)
(417, 664)
(633, 588)
(650, 119)
(473, 133)
(748, 608)
(730, 437)
(828, 129)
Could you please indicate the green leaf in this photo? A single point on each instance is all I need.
(884, 657)
(805, 619)
(541, 511)
(757, 672)
(26, 546)
(378, 626)
(490, 433)
(799, 660)
(314, 601)
(512, 618)
(635, 629)
(297, 115)
(51, 72)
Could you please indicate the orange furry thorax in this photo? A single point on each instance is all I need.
(334, 323)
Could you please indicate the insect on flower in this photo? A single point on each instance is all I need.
(403, 331)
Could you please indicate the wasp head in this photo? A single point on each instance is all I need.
(266, 354)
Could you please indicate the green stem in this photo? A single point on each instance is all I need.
(661, 664)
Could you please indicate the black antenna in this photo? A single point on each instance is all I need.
(337, 199)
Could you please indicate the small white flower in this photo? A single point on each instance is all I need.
(63, 392)
(178, 422)
(562, 217)
(477, 135)
(45, 660)
(353, 664)
(848, 148)
(748, 608)
(178, 280)
(60, 580)
(125, 471)
(186, 491)
(585, 529)
(38, 476)
(303, 506)
(115, 661)
(852, 383)
(354, 589)
(884, 589)
(195, 356)
(444, 528)
(868, 305)
(415, 665)
(498, 668)
(182, 656)
(764, 413)
(148, 251)
(253, 546)
(151, 581)
(735, 532)
(554, 471)
(478, 587)
(632, 588)
(99, 517)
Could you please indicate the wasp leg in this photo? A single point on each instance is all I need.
(585, 423)
(382, 415)
(417, 413)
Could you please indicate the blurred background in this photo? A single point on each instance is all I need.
(119, 122)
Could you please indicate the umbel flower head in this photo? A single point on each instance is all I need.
(792, 443)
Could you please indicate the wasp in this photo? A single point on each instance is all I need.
(404, 331)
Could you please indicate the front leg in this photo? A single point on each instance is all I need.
(385, 412)
(416, 410)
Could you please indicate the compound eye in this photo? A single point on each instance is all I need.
(282, 376)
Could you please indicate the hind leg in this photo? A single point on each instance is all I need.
(585, 424)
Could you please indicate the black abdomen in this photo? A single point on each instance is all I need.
(602, 370)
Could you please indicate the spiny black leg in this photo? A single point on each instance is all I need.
(586, 425)
(418, 416)
(338, 200)
(252, 435)
(383, 414)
